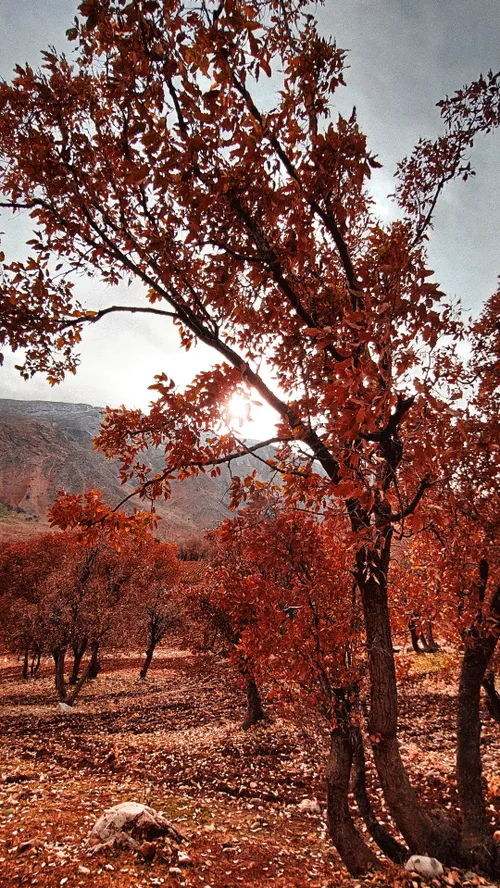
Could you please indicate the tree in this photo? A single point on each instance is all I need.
(149, 158)
(24, 569)
(231, 608)
(280, 585)
(279, 578)
(153, 606)
(127, 563)
(84, 607)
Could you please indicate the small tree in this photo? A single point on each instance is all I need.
(60, 594)
(153, 606)
(24, 568)
(281, 579)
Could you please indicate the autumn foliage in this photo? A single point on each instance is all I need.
(150, 157)
(281, 579)
(64, 593)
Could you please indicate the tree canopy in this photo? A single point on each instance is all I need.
(157, 154)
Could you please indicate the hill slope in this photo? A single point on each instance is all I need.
(47, 446)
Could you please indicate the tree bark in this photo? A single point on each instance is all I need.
(431, 644)
(476, 831)
(25, 663)
(94, 666)
(414, 636)
(492, 695)
(392, 849)
(35, 663)
(59, 655)
(353, 850)
(70, 698)
(255, 710)
(147, 662)
(423, 833)
(78, 652)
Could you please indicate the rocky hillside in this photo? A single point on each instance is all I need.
(47, 446)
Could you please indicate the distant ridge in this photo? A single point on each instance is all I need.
(46, 446)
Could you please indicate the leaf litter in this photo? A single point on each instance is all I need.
(175, 743)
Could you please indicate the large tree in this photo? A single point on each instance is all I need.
(157, 155)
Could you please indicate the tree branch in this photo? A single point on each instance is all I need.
(410, 508)
(93, 317)
(327, 218)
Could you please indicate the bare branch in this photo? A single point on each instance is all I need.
(93, 317)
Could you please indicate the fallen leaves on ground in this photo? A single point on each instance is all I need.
(175, 743)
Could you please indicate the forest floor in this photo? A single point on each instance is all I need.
(175, 743)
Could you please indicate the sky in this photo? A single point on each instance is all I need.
(404, 55)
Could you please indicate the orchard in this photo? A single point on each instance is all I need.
(149, 157)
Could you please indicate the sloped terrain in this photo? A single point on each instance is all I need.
(47, 446)
(175, 743)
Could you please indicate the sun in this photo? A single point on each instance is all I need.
(247, 416)
(239, 410)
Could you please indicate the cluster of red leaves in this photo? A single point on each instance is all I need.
(282, 581)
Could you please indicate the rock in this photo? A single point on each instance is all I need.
(148, 850)
(65, 708)
(496, 835)
(131, 825)
(183, 859)
(84, 870)
(310, 806)
(424, 866)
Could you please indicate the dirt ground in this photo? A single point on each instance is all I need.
(174, 742)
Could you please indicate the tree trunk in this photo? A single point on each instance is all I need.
(476, 831)
(255, 710)
(35, 663)
(59, 655)
(78, 652)
(70, 698)
(432, 646)
(424, 834)
(25, 663)
(147, 662)
(392, 849)
(354, 852)
(493, 697)
(94, 666)
(414, 636)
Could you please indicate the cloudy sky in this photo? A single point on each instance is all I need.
(404, 56)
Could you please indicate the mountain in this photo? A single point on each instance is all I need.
(46, 446)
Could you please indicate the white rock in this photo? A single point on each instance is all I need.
(84, 870)
(128, 824)
(183, 859)
(65, 708)
(424, 866)
(310, 806)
